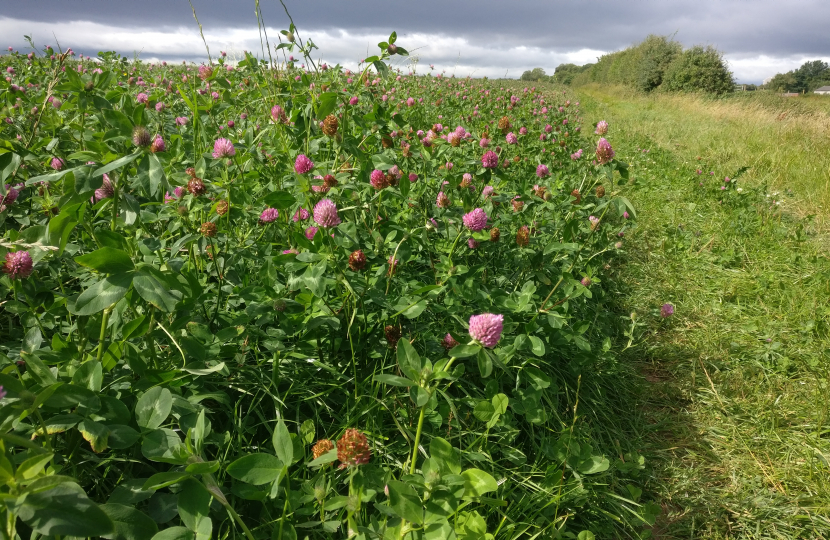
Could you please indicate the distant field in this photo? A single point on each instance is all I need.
(785, 142)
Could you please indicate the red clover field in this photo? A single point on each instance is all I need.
(281, 301)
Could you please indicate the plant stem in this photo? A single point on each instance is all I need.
(421, 423)
(102, 336)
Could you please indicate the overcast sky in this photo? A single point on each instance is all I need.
(478, 37)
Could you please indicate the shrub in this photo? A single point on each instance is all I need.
(699, 69)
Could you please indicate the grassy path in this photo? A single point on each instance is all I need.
(735, 385)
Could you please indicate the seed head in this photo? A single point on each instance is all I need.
(330, 125)
(222, 207)
(106, 190)
(600, 191)
(575, 193)
(495, 234)
(321, 447)
(353, 449)
(208, 229)
(523, 236)
(141, 137)
(449, 342)
(196, 186)
(357, 260)
(378, 180)
(393, 335)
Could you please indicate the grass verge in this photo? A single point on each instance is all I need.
(735, 395)
(783, 141)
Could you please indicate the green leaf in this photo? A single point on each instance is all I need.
(416, 310)
(164, 479)
(64, 510)
(102, 295)
(175, 533)
(156, 174)
(256, 469)
(405, 503)
(282, 443)
(107, 260)
(448, 459)
(585, 535)
(136, 327)
(194, 507)
(485, 363)
(96, 434)
(328, 457)
(61, 226)
(122, 436)
(150, 285)
(537, 378)
(477, 483)
(594, 465)
(409, 360)
(326, 103)
(537, 346)
(279, 199)
(32, 340)
(153, 408)
(500, 402)
(119, 121)
(130, 524)
(394, 380)
(164, 446)
(32, 467)
(419, 395)
(484, 411)
(120, 162)
(463, 351)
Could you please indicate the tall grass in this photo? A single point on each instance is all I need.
(735, 410)
(783, 141)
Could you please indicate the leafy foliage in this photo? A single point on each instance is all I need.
(193, 340)
(660, 63)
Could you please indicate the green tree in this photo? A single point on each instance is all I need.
(655, 54)
(699, 69)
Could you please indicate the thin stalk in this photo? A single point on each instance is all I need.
(103, 335)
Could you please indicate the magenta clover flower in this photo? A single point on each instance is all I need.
(487, 328)
(604, 151)
(223, 148)
(18, 264)
(269, 215)
(490, 160)
(475, 220)
(325, 213)
(303, 164)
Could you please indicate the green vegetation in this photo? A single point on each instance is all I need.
(734, 388)
(783, 141)
(659, 63)
(808, 77)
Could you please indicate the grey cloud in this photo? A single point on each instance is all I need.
(772, 27)
(488, 34)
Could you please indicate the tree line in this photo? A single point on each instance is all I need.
(656, 63)
(808, 77)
